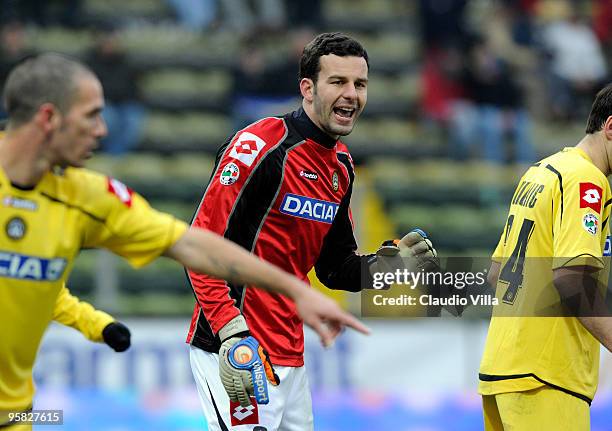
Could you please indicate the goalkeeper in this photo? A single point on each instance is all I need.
(282, 189)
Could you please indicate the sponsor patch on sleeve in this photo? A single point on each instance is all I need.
(123, 192)
(590, 196)
(247, 148)
(229, 174)
(590, 222)
(244, 415)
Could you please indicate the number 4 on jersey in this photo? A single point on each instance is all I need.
(512, 272)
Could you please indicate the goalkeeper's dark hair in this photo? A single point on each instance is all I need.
(601, 110)
(336, 43)
(45, 78)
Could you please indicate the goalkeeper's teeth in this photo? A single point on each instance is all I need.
(344, 112)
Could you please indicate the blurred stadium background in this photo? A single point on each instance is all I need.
(463, 95)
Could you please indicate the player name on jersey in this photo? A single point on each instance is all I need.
(527, 194)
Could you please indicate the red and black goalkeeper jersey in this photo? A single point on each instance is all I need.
(281, 189)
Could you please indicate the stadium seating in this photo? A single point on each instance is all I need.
(186, 85)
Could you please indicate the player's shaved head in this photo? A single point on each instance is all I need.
(45, 78)
(601, 110)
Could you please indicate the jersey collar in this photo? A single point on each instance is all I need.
(580, 152)
(309, 130)
(42, 184)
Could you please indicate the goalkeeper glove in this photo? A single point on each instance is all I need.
(117, 336)
(413, 252)
(244, 365)
(416, 248)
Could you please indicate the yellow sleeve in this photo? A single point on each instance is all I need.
(130, 227)
(577, 228)
(80, 315)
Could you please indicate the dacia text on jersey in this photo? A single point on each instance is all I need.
(14, 265)
(309, 208)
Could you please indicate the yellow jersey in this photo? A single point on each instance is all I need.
(41, 231)
(558, 217)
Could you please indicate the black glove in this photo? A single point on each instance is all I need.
(117, 336)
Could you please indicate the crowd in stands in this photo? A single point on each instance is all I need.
(483, 83)
(488, 70)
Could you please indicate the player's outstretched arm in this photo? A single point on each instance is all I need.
(95, 325)
(206, 252)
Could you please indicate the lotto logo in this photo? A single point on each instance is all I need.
(123, 192)
(246, 148)
(590, 196)
(312, 176)
(244, 415)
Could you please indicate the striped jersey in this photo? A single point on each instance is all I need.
(281, 189)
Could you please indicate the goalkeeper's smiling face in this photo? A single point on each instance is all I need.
(335, 101)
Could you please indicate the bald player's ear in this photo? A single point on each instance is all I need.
(48, 117)
(307, 89)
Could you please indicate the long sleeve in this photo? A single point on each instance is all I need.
(229, 208)
(339, 266)
(80, 315)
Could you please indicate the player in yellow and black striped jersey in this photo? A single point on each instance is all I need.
(542, 372)
(50, 208)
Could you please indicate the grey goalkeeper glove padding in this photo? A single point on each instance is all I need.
(117, 336)
(244, 365)
(414, 252)
(416, 248)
